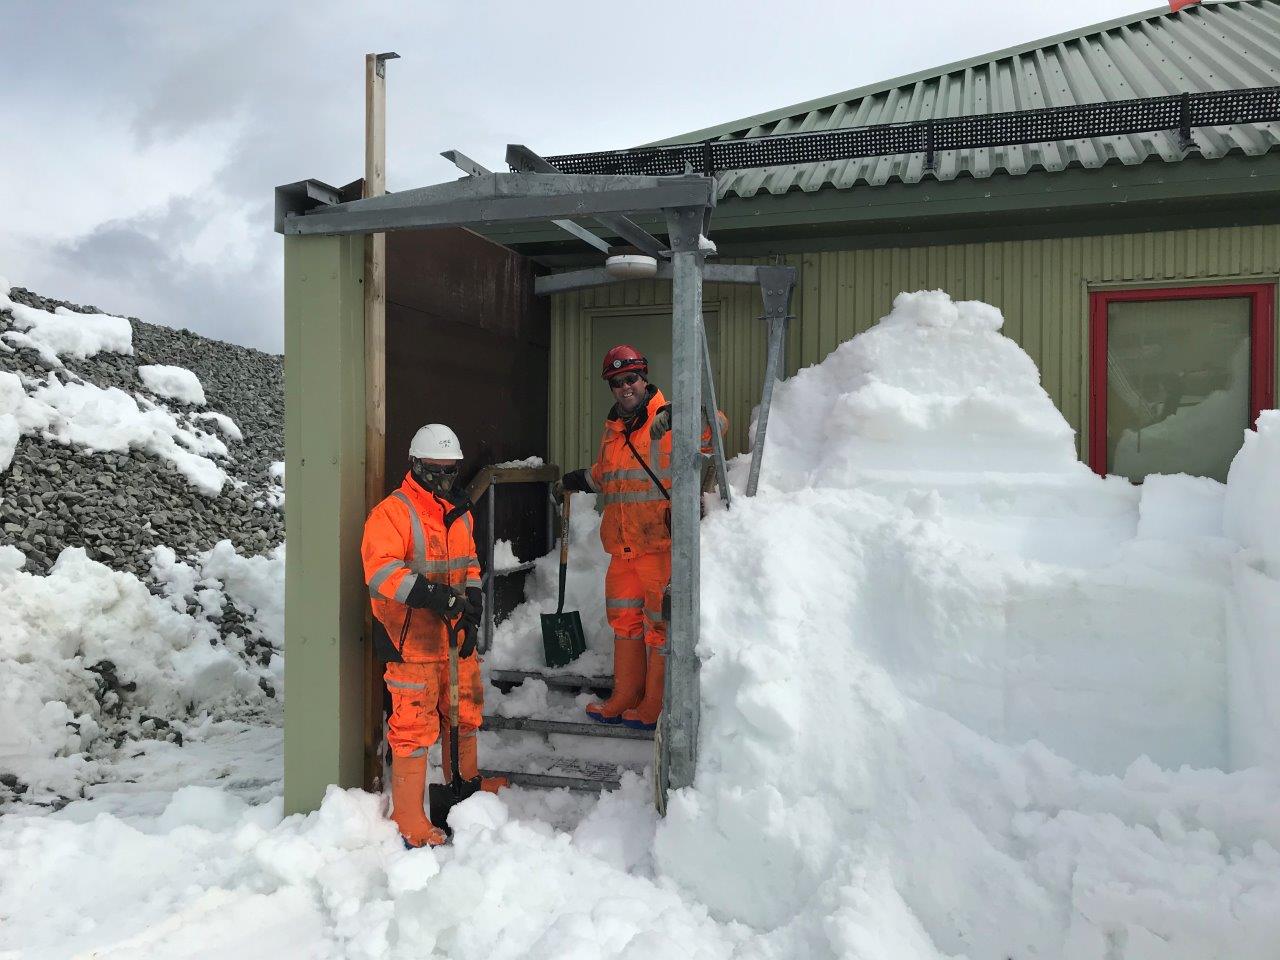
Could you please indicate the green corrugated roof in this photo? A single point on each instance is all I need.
(1210, 46)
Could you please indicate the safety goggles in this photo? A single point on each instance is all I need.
(626, 380)
(435, 470)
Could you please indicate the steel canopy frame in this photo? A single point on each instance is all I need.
(307, 208)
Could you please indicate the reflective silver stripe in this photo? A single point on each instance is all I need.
(382, 573)
(625, 475)
(402, 685)
(443, 566)
(624, 603)
(646, 496)
(415, 522)
(407, 584)
(420, 752)
(475, 583)
(653, 616)
(466, 518)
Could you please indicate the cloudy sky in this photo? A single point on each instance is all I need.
(142, 140)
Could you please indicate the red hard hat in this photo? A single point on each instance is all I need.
(622, 359)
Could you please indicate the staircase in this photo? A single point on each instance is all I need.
(562, 764)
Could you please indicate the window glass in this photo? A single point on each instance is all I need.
(1177, 386)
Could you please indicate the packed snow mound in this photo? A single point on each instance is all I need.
(1252, 518)
(64, 332)
(175, 383)
(955, 687)
(1252, 510)
(933, 386)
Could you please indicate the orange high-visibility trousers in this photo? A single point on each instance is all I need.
(420, 703)
(633, 589)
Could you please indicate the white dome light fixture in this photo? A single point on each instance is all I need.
(631, 266)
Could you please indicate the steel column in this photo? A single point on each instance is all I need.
(776, 286)
(710, 407)
(491, 581)
(679, 736)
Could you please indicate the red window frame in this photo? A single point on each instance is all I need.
(1261, 348)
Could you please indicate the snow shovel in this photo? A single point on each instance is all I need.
(443, 797)
(562, 638)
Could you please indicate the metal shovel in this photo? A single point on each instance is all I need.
(443, 797)
(562, 638)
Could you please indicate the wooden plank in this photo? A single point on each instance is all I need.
(375, 358)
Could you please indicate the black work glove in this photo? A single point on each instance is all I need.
(469, 633)
(660, 426)
(473, 607)
(440, 598)
(574, 481)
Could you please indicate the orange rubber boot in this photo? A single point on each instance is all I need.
(628, 681)
(644, 716)
(408, 782)
(468, 762)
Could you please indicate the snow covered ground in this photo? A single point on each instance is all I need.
(961, 697)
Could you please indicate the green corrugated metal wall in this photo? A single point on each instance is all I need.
(1040, 285)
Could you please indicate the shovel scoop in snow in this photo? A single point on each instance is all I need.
(562, 638)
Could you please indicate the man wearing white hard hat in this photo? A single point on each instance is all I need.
(420, 564)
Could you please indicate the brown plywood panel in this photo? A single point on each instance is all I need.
(468, 345)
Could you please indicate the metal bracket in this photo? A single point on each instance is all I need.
(1185, 140)
(776, 287)
(521, 158)
(296, 199)
(380, 62)
(473, 169)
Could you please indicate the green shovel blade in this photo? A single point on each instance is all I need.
(562, 638)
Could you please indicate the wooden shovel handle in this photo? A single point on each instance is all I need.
(564, 531)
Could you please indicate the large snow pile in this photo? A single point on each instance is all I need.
(938, 721)
(102, 447)
(91, 660)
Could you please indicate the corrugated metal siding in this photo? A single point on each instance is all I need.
(1040, 285)
(1224, 45)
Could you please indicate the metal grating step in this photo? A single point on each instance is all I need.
(568, 728)
(557, 681)
(589, 776)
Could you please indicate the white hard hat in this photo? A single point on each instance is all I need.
(435, 441)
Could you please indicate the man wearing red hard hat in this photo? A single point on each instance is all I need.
(632, 479)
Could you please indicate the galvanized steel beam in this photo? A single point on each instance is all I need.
(497, 197)
(679, 723)
(776, 287)
(521, 157)
(474, 169)
(598, 276)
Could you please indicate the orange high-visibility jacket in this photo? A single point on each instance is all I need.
(405, 538)
(635, 518)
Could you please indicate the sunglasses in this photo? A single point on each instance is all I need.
(437, 470)
(617, 383)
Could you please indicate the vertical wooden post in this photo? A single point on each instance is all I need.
(375, 353)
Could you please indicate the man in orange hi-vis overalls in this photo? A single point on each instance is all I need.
(420, 564)
(632, 480)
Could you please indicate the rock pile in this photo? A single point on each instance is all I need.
(118, 506)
